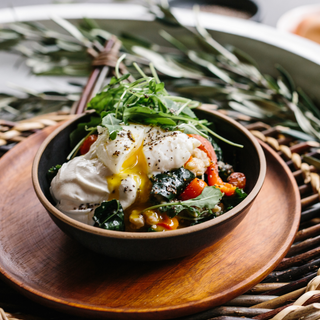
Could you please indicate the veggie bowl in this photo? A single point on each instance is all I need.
(146, 179)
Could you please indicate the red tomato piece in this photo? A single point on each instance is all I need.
(227, 188)
(193, 189)
(214, 180)
(237, 179)
(87, 143)
(213, 175)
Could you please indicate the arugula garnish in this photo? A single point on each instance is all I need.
(112, 124)
(143, 101)
(109, 216)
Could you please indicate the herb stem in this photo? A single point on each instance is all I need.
(183, 106)
(118, 65)
(163, 205)
(118, 104)
(154, 73)
(143, 75)
(219, 137)
(108, 218)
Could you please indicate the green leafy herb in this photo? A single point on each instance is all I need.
(189, 213)
(31, 104)
(107, 98)
(112, 124)
(295, 134)
(82, 130)
(109, 215)
(147, 116)
(232, 201)
(52, 172)
(208, 199)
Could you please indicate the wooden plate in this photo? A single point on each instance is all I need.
(45, 265)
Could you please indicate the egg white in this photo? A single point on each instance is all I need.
(167, 150)
(113, 153)
(79, 187)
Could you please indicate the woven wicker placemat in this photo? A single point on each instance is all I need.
(292, 291)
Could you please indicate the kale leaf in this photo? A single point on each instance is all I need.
(109, 215)
(167, 186)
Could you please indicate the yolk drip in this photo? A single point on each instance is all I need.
(136, 166)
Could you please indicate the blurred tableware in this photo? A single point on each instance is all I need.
(242, 9)
(303, 21)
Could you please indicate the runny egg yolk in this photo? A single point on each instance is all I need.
(136, 167)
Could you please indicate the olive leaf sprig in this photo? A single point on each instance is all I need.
(196, 66)
(231, 79)
(32, 104)
(47, 52)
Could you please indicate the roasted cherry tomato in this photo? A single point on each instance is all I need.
(214, 180)
(168, 223)
(213, 175)
(237, 179)
(193, 189)
(227, 188)
(87, 143)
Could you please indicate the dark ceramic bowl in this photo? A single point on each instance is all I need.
(155, 245)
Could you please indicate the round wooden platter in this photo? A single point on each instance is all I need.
(45, 265)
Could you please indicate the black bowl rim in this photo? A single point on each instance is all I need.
(151, 235)
(255, 13)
